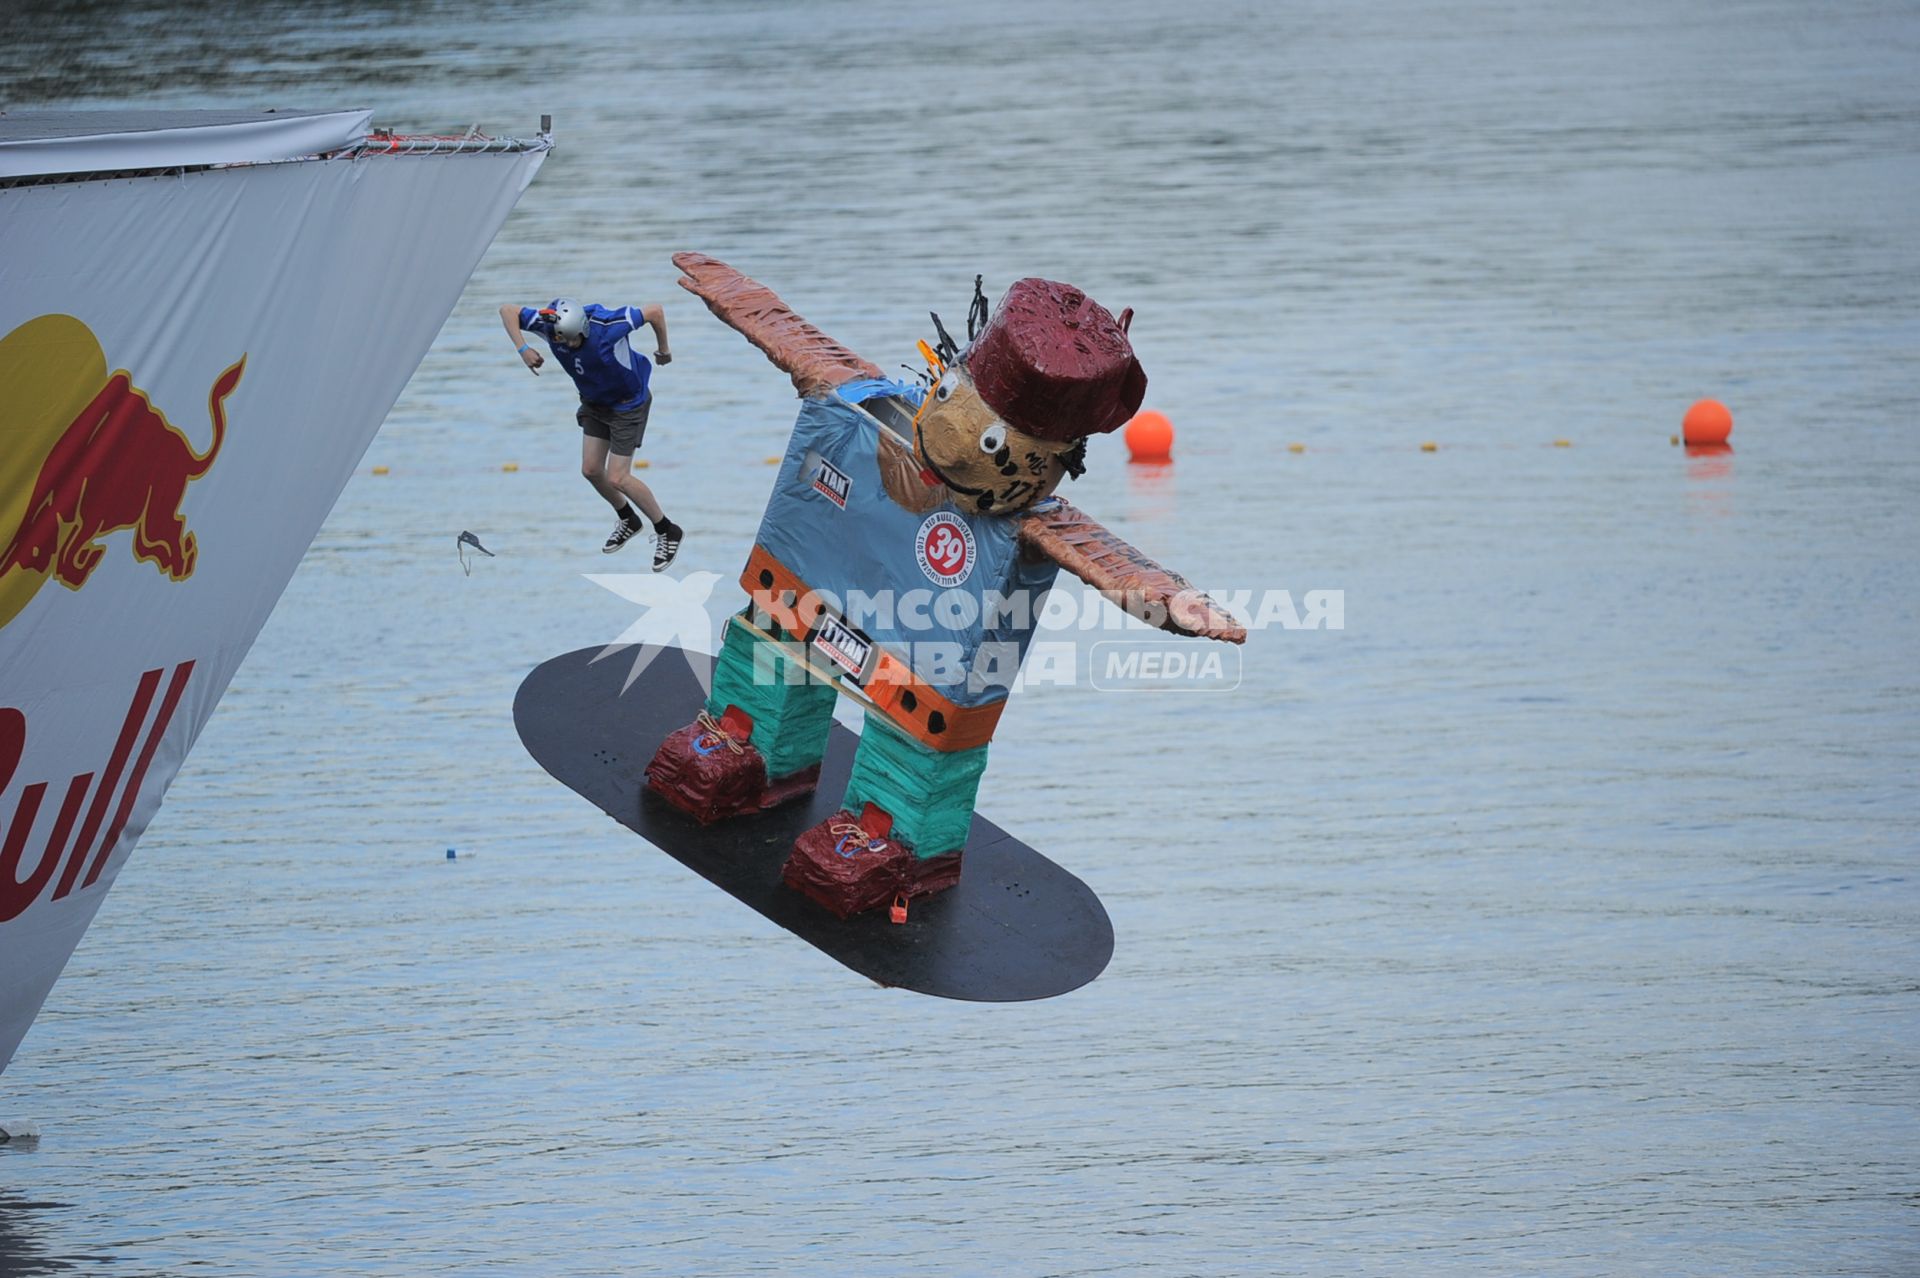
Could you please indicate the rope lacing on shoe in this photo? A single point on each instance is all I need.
(711, 727)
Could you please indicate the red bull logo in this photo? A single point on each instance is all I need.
(84, 455)
(76, 847)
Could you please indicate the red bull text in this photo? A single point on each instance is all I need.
(78, 864)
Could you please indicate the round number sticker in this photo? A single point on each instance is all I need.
(945, 548)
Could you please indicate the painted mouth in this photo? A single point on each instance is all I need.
(984, 496)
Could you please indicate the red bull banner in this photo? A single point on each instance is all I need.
(170, 352)
(117, 463)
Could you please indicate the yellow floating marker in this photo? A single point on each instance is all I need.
(775, 461)
(1563, 443)
(510, 467)
(1429, 447)
(379, 470)
(1296, 448)
(1674, 440)
(641, 463)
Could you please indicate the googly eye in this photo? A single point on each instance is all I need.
(946, 387)
(993, 438)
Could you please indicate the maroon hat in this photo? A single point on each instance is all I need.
(1052, 362)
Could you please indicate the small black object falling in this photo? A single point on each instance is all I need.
(461, 543)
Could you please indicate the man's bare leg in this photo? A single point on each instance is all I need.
(620, 477)
(593, 468)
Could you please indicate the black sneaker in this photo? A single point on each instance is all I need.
(666, 545)
(623, 532)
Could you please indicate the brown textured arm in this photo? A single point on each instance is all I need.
(1135, 583)
(815, 361)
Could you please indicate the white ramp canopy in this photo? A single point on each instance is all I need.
(43, 143)
(178, 294)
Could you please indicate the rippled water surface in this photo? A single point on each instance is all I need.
(1556, 916)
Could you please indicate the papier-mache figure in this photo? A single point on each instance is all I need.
(910, 539)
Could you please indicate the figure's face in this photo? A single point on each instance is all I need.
(988, 464)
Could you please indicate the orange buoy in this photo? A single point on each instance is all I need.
(1149, 437)
(1707, 422)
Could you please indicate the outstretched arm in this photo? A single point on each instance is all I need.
(510, 320)
(815, 361)
(654, 315)
(1136, 583)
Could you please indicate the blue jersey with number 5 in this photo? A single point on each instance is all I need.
(606, 369)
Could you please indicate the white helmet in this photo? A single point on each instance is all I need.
(569, 319)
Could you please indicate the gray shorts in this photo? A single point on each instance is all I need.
(622, 428)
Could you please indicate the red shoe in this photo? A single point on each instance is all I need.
(931, 874)
(711, 771)
(849, 865)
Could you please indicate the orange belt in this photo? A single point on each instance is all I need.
(906, 700)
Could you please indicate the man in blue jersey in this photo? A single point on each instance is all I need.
(594, 345)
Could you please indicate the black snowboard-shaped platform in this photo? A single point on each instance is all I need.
(1016, 927)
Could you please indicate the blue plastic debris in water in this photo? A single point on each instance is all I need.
(450, 855)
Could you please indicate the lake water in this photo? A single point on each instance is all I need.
(1558, 915)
